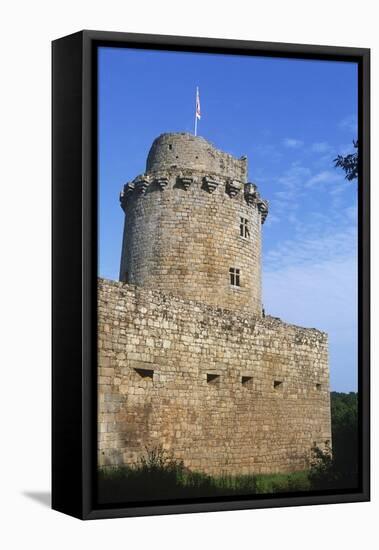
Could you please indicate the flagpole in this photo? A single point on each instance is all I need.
(197, 93)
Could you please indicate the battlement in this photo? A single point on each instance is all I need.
(205, 181)
(184, 160)
(187, 359)
(193, 225)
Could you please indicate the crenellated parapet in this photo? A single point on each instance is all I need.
(193, 225)
(209, 183)
(183, 339)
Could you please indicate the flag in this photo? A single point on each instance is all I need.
(198, 114)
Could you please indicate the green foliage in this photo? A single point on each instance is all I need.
(157, 459)
(348, 163)
(159, 476)
(282, 483)
(337, 468)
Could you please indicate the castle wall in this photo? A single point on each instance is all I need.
(197, 405)
(182, 226)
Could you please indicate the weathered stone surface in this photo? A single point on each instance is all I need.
(186, 360)
(184, 240)
(186, 151)
(234, 425)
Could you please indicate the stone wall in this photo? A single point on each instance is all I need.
(182, 225)
(187, 151)
(226, 392)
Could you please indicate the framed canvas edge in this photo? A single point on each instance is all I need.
(67, 316)
(85, 508)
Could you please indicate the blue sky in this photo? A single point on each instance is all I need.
(291, 118)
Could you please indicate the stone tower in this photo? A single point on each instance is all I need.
(187, 363)
(193, 225)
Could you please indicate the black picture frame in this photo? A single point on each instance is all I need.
(74, 269)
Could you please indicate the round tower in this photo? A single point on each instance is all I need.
(193, 225)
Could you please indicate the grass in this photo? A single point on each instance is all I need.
(160, 478)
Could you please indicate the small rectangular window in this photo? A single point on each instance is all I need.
(145, 373)
(244, 228)
(278, 384)
(234, 275)
(247, 381)
(213, 379)
(318, 387)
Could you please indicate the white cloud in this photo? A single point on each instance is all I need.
(292, 143)
(325, 189)
(351, 213)
(349, 124)
(286, 198)
(267, 151)
(292, 180)
(325, 176)
(341, 188)
(322, 295)
(294, 174)
(321, 147)
(313, 294)
(310, 270)
(317, 241)
(346, 149)
(324, 235)
(271, 220)
(328, 158)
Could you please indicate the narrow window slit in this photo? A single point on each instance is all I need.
(318, 387)
(145, 373)
(244, 228)
(213, 379)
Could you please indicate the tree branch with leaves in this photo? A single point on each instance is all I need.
(348, 163)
